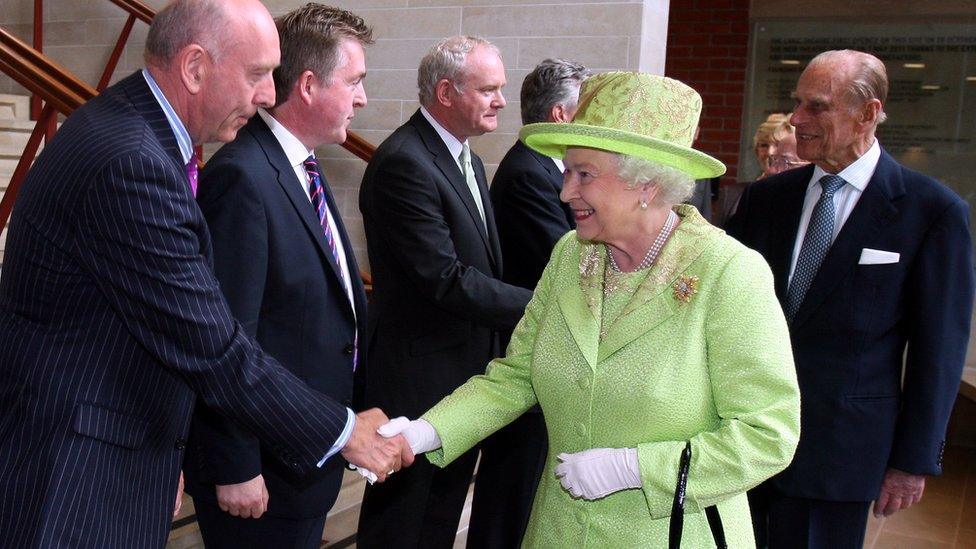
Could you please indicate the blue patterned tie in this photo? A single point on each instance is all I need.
(317, 194)
(816, 242)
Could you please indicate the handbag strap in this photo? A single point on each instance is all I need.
(677, 524)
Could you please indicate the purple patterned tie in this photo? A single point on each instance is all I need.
(317, 194)
(192, 172)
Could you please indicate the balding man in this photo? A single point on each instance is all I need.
(438, 301)
(111, 322)
(870, 259)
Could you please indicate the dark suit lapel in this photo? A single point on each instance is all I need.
(290, 186)
(137, 89)
(358, 291)
(783, 229)
(495, 248)
(874, 210)
(448, 166)
(555, 179)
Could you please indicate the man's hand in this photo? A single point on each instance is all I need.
(246, 500)
(900, 490)
(367, 449)
(179, 497)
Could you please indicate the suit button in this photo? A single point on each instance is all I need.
(349, 349)
(584, 383)
(581, 516)
(180, 444)
(581, 430)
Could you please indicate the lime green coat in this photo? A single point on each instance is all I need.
(713, 366)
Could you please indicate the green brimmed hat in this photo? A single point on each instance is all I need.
(643, 115)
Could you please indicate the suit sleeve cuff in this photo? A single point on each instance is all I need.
(340, 442)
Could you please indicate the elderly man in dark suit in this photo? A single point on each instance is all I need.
(111, 322)
(530, 219)
(438, 302)
(285, 265)
(869, 259)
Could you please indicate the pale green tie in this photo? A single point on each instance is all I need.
(468, 171)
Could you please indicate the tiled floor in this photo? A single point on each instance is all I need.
(945, 519)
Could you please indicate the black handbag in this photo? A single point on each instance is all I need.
(678, 508)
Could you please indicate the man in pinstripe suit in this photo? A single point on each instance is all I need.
(111, 322)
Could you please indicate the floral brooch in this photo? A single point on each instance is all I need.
(685, 288)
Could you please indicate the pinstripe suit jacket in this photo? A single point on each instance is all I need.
(110, 322)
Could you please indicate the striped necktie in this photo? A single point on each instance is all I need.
(317, 194)
(816, 243)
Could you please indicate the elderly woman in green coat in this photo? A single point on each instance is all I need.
(650, 332)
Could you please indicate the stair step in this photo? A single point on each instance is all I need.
(8, 162)
(15, 107)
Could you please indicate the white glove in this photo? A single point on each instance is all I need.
(598, 472)
(421, 435)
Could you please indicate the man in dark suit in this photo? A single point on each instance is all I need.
(869, 259)
(438, 301)
(111, 322)
(530, 220)
(290, 278)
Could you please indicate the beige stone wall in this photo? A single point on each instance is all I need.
(605, 35)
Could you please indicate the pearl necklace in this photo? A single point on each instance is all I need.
(662, 237)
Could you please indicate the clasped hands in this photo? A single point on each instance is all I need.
(590, 474)
(375, 455)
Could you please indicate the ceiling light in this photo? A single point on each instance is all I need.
(931, 87)
(914, 65)
(789, 61)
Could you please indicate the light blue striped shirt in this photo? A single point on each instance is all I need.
(179, 130)
(186, 149)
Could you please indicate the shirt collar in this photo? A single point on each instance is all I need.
(179, 130)
(452, 142)
(295, 150)
(859, 172)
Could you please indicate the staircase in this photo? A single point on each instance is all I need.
(15, 128)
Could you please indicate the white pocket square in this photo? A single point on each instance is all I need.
(877, 257)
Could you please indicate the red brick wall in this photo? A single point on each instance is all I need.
(707, 43)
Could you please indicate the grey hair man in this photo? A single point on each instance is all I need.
(111, 321)
(438, 301)
(530, 219)
(873, 266)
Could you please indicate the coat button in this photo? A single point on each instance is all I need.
(180, 444)
(581, 516)
(584, 383)
(581, 429)
(349, 349)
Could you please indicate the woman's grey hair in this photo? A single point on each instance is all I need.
(552, 82)
(445, 61)
(675, 186)
(182, 23)
(868, 81)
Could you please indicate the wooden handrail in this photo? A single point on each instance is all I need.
(39, 74)
(141, 11)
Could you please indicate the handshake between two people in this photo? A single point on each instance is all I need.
(590, 474)
(379, 447)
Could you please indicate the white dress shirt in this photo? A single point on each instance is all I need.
(857, 176)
